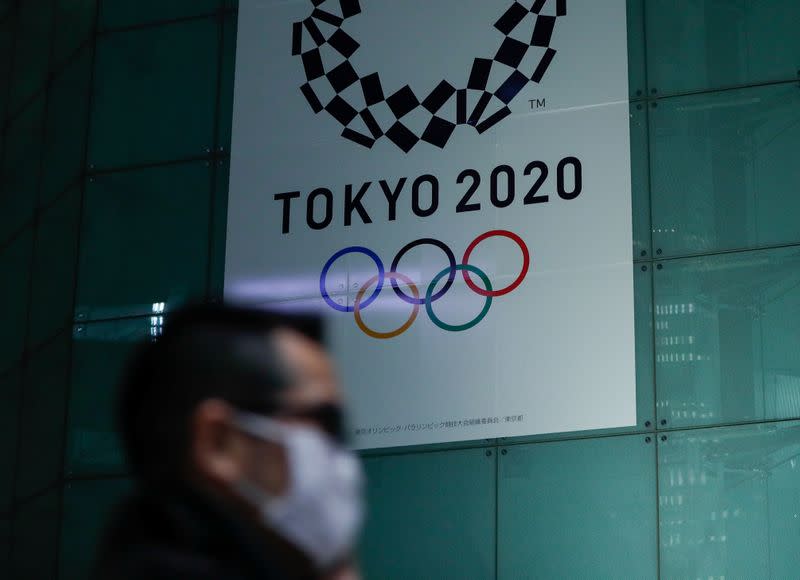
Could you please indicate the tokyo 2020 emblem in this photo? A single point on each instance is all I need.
(524, 31)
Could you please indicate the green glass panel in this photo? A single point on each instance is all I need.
(19, 174)
(31, 51)
(705, 44)
(41, 421)
(15, 267)
(219, 228)
(35, 538)
(74, 25)
(10, 384)
(87, 506)
(65, 134)
(727, 347)
(6, 51)
(154, 94)
(729, 502)
(6, 7)
(645, 356)
(637, 78)
(432, 516)
(227, 81)
(144, 240)
(725, 170)
(115, 13)
(578, 509)
(54, 263)
(5, 548)
(640, 182)
(645, 389)
(99, 353)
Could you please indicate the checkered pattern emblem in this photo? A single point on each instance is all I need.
(326, 50)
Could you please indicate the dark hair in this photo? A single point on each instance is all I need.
(205, 351)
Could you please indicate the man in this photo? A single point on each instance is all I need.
(232, 424)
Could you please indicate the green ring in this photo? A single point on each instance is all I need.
(461, 327)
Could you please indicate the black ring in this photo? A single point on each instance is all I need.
(433, 242)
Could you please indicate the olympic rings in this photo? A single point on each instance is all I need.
(406, 325)
(459, 328)
(416, 301)
(450, 256)
(526, 262)
(351, 250)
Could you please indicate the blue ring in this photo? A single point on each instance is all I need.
(336, 256)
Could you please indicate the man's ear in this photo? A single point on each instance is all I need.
(218, 450)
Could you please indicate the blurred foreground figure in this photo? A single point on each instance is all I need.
(232, 423)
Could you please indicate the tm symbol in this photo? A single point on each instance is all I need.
(537, 103)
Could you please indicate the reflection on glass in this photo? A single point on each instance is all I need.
(53, 277)
(31, 53)
(636, 50)
(724, 170)
(118, 14)
(66, 122)
(175, 121)
(727, 347)
(99, 354)
(578, 509)
(10, 389)
(41, 419)
(706, 44)
(729, 505)
(15, 264)
(431, 516)
(35, 541)
(87, 507)
(640, 177)
(144, 241)
(20, 168)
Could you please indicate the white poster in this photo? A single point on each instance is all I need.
(448, 183)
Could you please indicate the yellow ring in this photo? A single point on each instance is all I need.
(360, 297)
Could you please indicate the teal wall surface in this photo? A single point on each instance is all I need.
(114, 150)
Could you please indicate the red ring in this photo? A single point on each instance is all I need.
(526, 262)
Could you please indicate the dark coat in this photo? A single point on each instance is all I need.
(181, 536)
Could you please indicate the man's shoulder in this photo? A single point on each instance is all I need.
(141, 541)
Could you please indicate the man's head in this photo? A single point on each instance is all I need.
(235, 402)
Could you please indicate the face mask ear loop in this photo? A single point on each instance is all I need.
(264, 429)
(260, 427)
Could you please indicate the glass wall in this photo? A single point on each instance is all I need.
(113, 184)
(116, 122)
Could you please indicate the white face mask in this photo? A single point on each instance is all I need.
(323, 509)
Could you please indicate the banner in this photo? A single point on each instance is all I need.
(448, 183)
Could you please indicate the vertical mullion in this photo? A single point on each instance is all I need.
(26, 354)
(92, 43)
(215, 160)
(652, 278)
